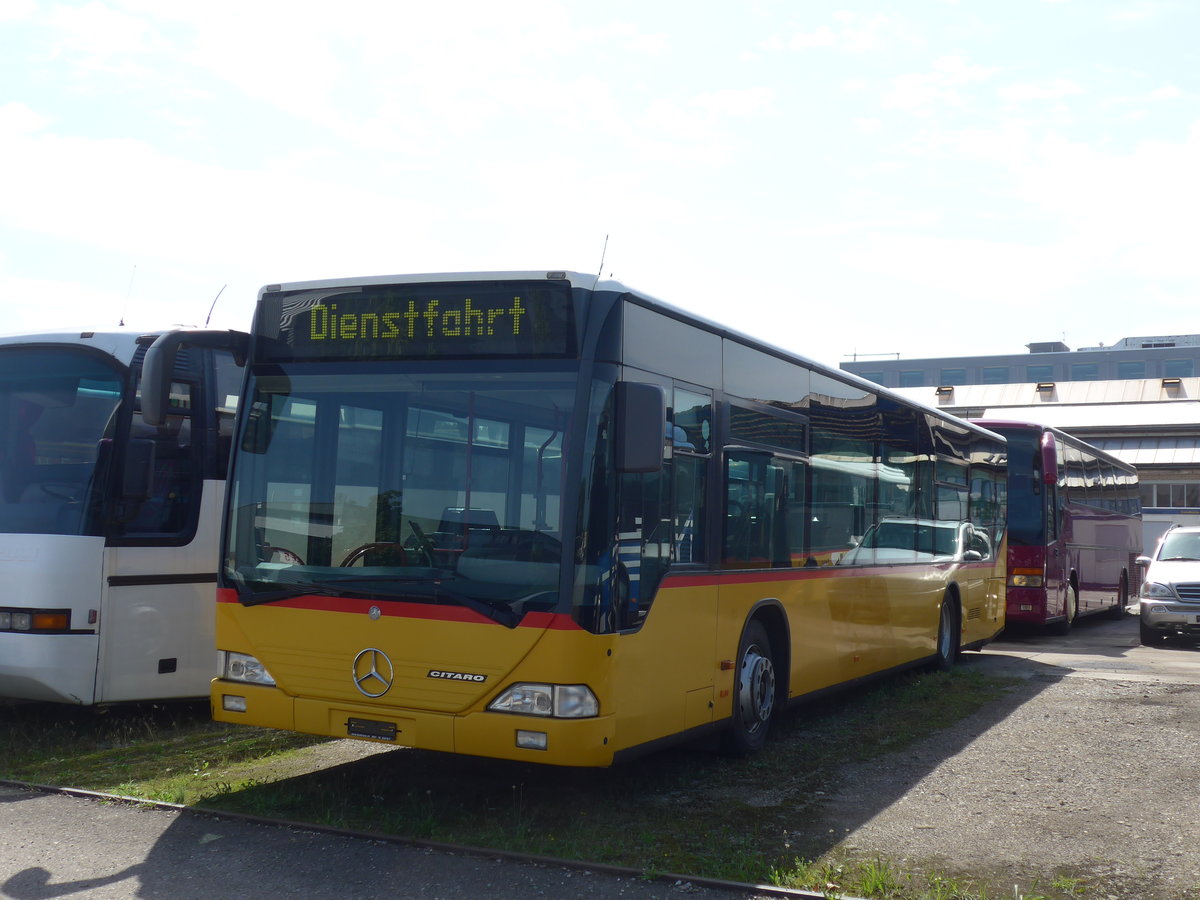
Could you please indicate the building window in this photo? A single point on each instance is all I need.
(1128, 370)
(1085, 372)
(912, 378)
(1177, 368)
(1171, 495)
(995, 374)
(953, 376)
(1039, 373)
(877, 377)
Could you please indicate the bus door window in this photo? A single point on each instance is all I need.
(691, 446)
(173, 499)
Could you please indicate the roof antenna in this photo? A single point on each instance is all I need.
(128, 291)
(214, 304)
(602, 254)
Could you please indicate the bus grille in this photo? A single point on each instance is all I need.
(1188, 593)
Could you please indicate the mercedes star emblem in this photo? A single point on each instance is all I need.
(373, 672)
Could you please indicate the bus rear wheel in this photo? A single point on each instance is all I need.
(754, 693)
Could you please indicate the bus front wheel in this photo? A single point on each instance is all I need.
(754, 693)
(1063, 627)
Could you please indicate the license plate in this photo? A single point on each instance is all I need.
(369, 728)
(1194, 620)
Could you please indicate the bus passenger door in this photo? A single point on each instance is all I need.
(157, 617)
(1057, 562)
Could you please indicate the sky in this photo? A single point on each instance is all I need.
(842, 179)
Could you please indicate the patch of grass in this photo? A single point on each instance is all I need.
(684, 811)
(167, 752)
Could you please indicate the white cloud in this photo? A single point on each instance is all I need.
(918, 92)
(1060, 87)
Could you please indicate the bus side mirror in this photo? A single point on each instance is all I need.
(159, 365)
(138, 475)
(641, 422)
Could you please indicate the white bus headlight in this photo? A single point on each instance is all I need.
(243, 667)
(559, 701)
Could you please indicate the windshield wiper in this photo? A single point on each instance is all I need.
(343, 587)
(254, 598)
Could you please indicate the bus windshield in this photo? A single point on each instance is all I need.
(57, 409)
(396, 482)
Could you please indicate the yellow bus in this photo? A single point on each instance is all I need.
(543, 517)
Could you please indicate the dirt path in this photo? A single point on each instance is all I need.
(1087, 771)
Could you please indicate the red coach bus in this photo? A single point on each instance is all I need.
(1074, 527)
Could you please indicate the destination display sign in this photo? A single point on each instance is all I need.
(423, 321)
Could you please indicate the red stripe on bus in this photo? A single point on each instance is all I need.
(402, 609)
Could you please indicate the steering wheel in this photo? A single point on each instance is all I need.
(423, 542)
(399, 556)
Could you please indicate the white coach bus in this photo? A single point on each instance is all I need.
(108, 527)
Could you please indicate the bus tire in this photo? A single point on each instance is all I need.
(1063, 627)
(949, 639)
(754, 692)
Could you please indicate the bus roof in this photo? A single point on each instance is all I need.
(121, 345)
(595, 283)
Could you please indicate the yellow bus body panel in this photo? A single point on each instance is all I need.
(674, 674)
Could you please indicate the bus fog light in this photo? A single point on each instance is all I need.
(243, 667)
(531, 740)
(233, 703)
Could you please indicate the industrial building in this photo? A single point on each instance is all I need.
(1151, 421)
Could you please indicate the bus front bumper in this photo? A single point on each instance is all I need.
(561, 742)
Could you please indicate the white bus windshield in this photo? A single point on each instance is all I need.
(57, 421)
(378, 482)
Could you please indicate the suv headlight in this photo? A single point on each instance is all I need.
(245, 668)
(1156, 590)
(558, 701)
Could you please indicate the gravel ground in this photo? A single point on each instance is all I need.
(1087, 770)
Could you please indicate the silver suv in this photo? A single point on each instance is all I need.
(1170, 596)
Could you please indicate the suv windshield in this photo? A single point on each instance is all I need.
(385, 482)
(1180, 545)
(57, 417)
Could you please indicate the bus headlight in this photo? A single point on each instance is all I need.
(243, 667)
(559, 701)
